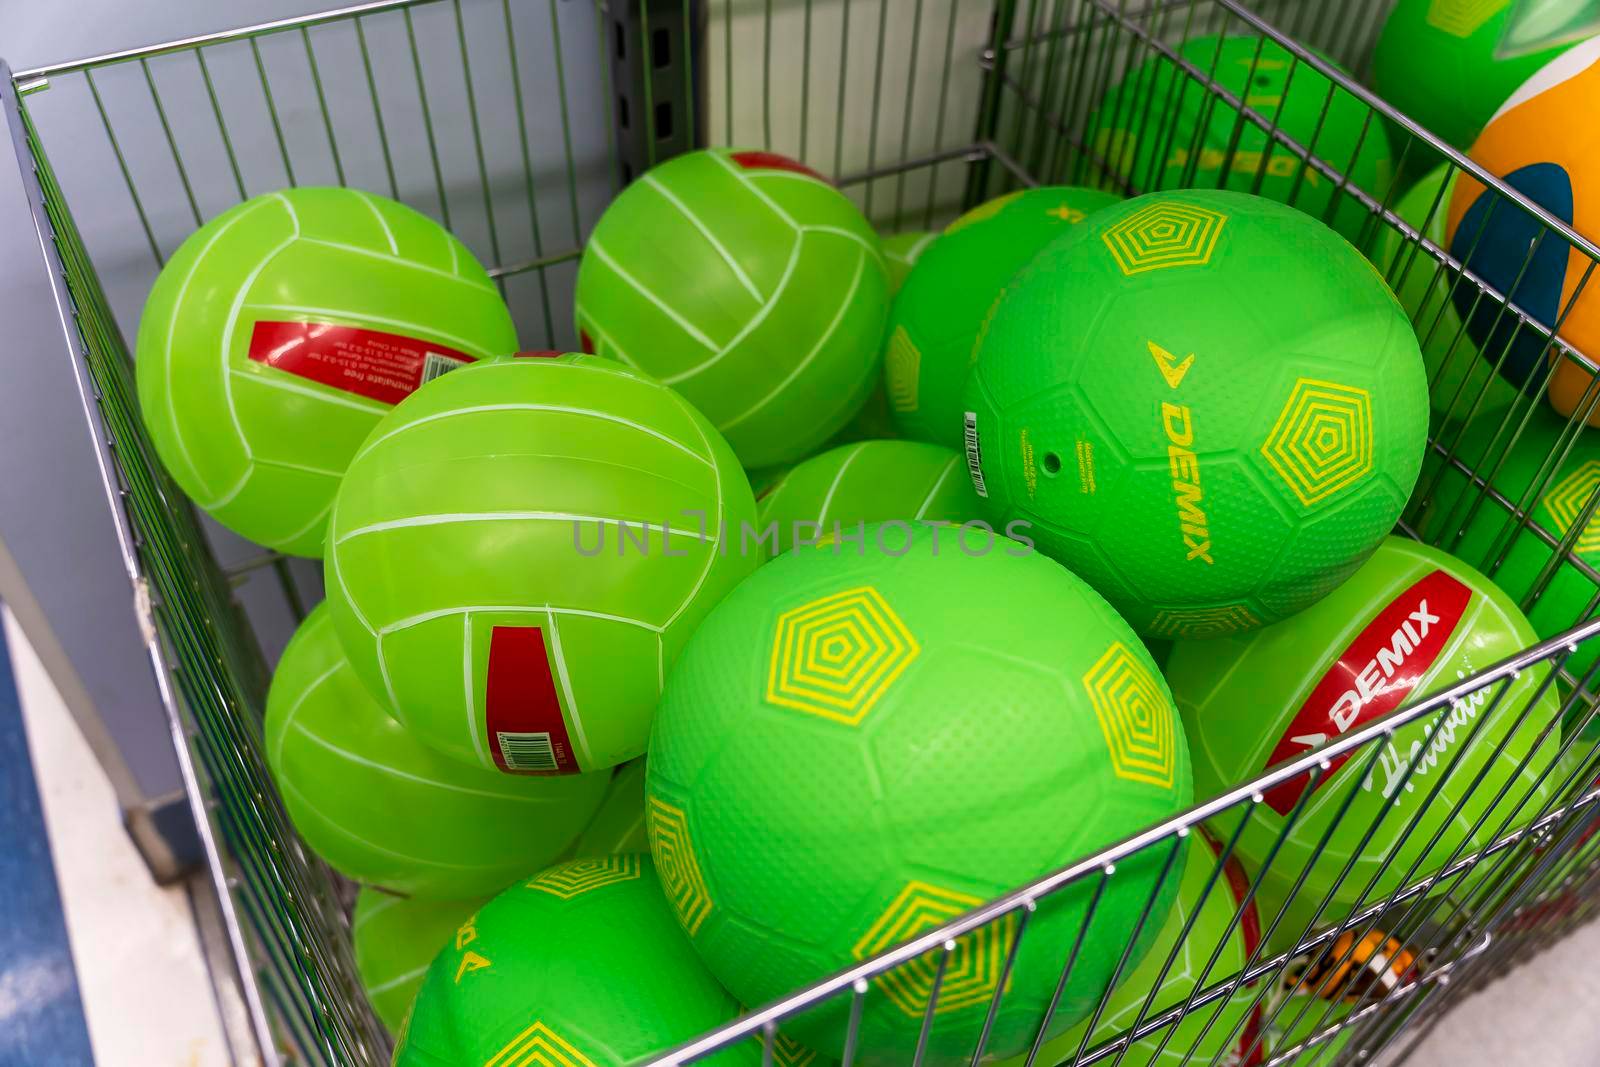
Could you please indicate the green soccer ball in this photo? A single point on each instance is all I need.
(395, 940)
(581, 964)
(519, 551)
(1206, 940)
(1545, 470)
(862, 743)
(1205, 404)
(748, 283)
(1162, 129)
(618, 824)
(279, 334)
(831, 496)
(940, 313)
(1459, 377)
(382, 808)
(900, 254)
(1450, 64)
(1409, 623)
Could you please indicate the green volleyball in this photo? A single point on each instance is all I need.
(395, 940)
(748, 283)
(940, 312)
(1410, 622)
(1209, 937)
(861, 743)
(1537, 465)
(900, 254)
(281, 331)
(581, 963)
(618, 824)
(832, 496)
(518, 553)
(1205, 404)
(385, 810)
(1160, 128)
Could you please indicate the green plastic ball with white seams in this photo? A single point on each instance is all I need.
(618, 824)
(382, 808)
(901, 252)
(395, 940)
(748, 283)
(281, 331)
(836, 493)
(519, 551)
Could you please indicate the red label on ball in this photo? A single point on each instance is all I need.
(387, 367)
(521, 710)
(773, 161)
(1371, 677)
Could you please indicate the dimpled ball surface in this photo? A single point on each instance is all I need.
(834, 494)
(477, 568)
(939, 313)
(395, 940)
(748, 283)
(384, 809)
(282, 330)
(579, 965)
(1412, 621)
(1149, 128)
(856, 748)
(1221, 422)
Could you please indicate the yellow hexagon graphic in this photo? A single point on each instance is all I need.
(676, 864)
(539, 1046)
(1322, 441)
(1566, 500)
(974, 968)
(1168, 233)
(835, 657)
(1135, 717)
(787, 1052)
(1461, 18)
(902, 365)
(1195, 623)
(581, 876)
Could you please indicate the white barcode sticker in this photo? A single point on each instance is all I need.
(527, 752)
(435, 365)
(974, 453)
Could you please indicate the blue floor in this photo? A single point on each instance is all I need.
(41, 1011)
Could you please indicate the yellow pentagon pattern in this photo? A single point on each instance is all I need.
(538, 1046)
(1322, 441)
(1565, 502)
(1191, 623)
(986, 210)
(1135, 717)
(676, 864)
(902, 365)
(835, 657)
(974, 968)
(1168, 233)
(581, 876)
(1461, 18)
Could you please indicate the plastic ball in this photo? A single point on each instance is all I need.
(395, 940)
(1410, 622)
(1148, 130)
(748, 283)
(940, 313)
(281, 331)
(1534, 145)
(519, 551)
(900, 254)
(833, 495)
(1205, 404)
(861, 744)
(1450, 65)
(383, 809)
(581, 963)
(618, 824)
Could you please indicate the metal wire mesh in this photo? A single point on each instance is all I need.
(506, 121)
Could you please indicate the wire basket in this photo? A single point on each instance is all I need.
(513, 122)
